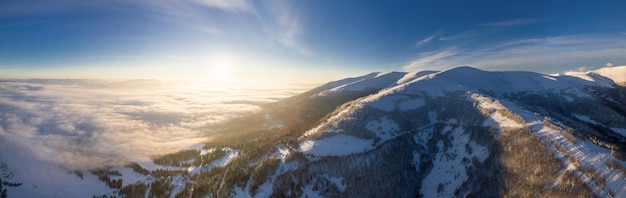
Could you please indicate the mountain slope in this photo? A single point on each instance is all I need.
(616, 74)
(462, 132)
(461, 106)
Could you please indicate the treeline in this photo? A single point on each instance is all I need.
(531, 168)
(137, 168)
(167, 173)
(178, 158)
(614, 165)
(113, 183)
(134, 190)
(4, 191)
(12, 184)
(566, 131)
(7, 175)
(103, 175)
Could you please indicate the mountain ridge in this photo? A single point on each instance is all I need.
(461, 132)
(352, 130)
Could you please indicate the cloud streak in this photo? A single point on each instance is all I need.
(429, 39)
(509, 23)
(232, 5)
(291, 28)
(552, 54)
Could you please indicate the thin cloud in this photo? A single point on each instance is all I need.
(509, 23)
(288, 21)
(429, 39)
(553, 54)
(430, 60)
(230, 5)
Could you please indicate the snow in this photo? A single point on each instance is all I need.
(496, 118)
(417, 160)
(588, 154)
(240, 193)
(471, 79)
(432, 117)
(617, 73)
(231, 154)
(384, 128)
(148, 164)
(282, 152)
(206, 151)
(383, 103)
(57, 183)
(413, 75)
(265, 190)
(549, 77)
(129, 176)
(337, 181)
(422, 137)
(411, 104)
(448, 172)
(179, 183)
(308, 192)
(200, 147)
(341, 115)
(312, 190)
(41, 178)
(568, 98)
(350, 80)
(620, 131)
(336, 145)
(379, 81)
(586, 119)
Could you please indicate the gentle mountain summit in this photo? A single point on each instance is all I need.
(459, 132)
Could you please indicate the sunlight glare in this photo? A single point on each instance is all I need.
(221, 69)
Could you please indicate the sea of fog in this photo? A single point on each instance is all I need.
(80, 124)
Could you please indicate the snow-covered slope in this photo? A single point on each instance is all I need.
(371, 82)
(617, 74)
(461, 132)
(452, 103)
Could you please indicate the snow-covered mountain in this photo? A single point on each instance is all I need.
(455, 133)
(460, 132)
(464, 132)
(617, 74)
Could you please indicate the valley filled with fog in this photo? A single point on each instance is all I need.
(51, 126)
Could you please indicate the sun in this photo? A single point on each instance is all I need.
(221, 69)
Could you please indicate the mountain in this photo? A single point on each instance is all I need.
(617, 74)
(461, 132)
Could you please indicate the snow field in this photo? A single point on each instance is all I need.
(449, 171)
(384, 128)
(336, 145)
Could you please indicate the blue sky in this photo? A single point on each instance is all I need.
(302, 41)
